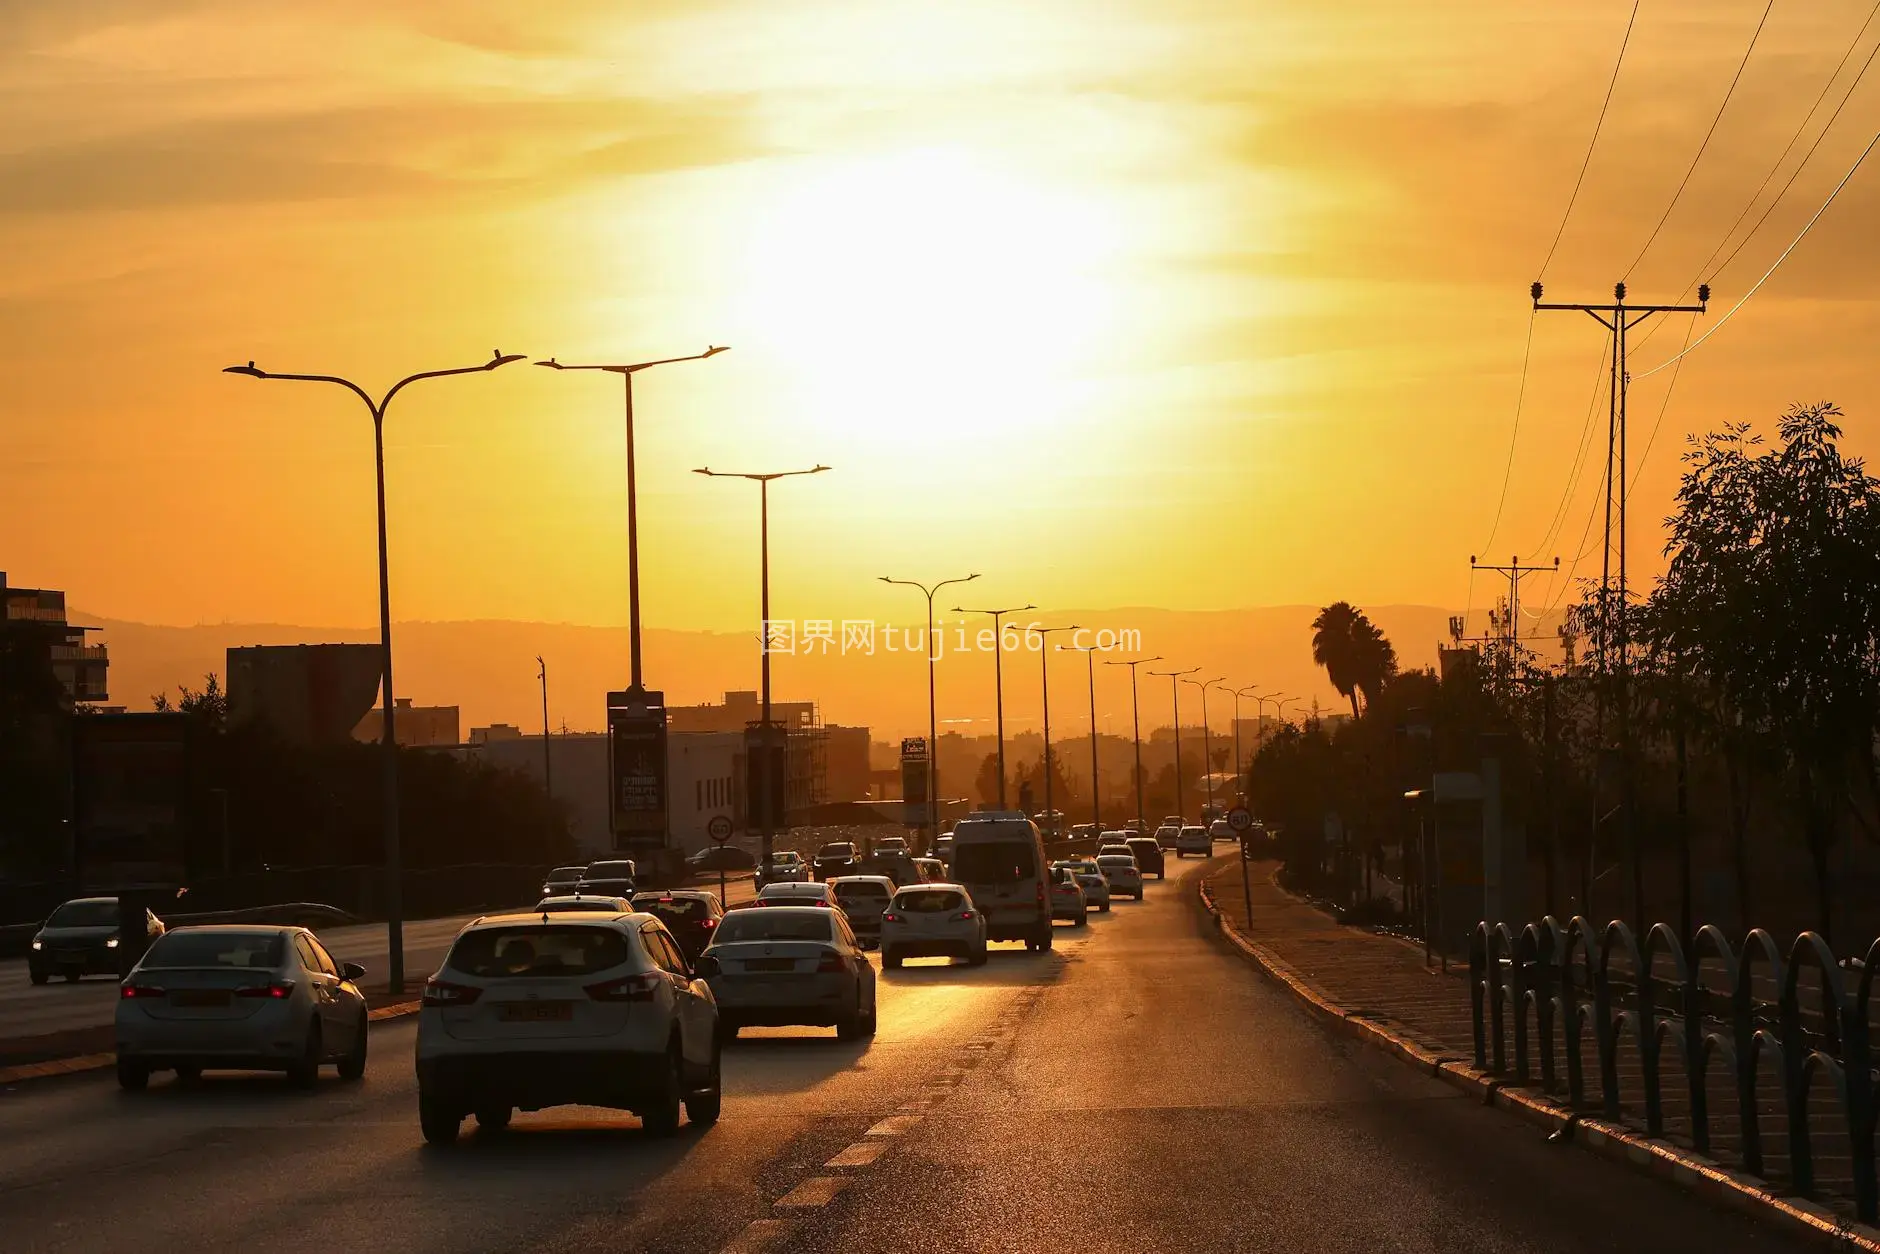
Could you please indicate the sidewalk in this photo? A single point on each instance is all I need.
(1379, 988)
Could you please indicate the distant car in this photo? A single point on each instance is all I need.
(932, 869)
(928, 920)
(244, 998)
(1166, 835)
(1090, 876)
(562, 880)
(863, 898)
(1067, 896)
(838, 857)
(578, 903)
(786, 867)
(1219, 830)
(1148, 855)
(1083, 831)
(80, 938)
(1123, 874)
(1139, 826)
(1193, 839)
(721, 857)
(1112, 846)
(799, 894)
(690, 914)
(790, 965)
(898, 867)
(613, 878)
(892, 844)
(576, 1009)
(943, 848)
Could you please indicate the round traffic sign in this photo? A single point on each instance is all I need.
(719, 829)
(1240, 818)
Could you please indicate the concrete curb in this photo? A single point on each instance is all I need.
(98, 1062)
(1716, 1183)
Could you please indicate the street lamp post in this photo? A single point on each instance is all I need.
(394, 921)
(933, 727)
(1135, 718)
(1044, 675)
(767, 819)
(1207, 742)
(1240, 790)
(548, 765)
(1174, 686)
(626, 373)
(1090, 659)
(998, 678)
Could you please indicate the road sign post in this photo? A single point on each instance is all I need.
(719, 829)
(1240, 821)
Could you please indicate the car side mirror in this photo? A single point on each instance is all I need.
(352, 970)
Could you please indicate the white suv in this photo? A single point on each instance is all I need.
(535, 1010)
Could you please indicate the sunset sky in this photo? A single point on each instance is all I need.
(1120, 302)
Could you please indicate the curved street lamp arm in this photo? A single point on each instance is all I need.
(496, 359)
(251, 371)
(630, 367)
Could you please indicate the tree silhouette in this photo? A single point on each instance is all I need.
(1356, 656)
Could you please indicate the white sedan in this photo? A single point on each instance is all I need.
(1122, 873)
(1096, 887)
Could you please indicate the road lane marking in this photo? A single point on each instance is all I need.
(758, 1236)
(815, 1191)
(893, 1125)
(860, 1154)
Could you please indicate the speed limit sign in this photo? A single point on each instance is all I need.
(1240, 818)
(719, 829)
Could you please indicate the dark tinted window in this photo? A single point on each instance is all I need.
(995, 862)
(762, 925)
(259, 950)
(610, 871)
(841, 849)
(933, 901)
(85, 914)
(532, 949)
(876, 893)
(679, 908)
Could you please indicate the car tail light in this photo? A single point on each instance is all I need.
(628, 988)
(1041, 894)
(278, 990)
(889, 916)
(832, 961)
(442, 993)
(139, 990)
(965, 914)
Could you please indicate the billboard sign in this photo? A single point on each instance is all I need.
(916, 810)
(636, 769)
(766, 776)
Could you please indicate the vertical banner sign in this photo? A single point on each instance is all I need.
(767, 776)
(916, 808)
(636, 765)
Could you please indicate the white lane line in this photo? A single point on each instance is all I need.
(758, 1236)
(893, 1125)
(815, 1191)
(860, 1154)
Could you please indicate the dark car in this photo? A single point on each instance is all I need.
(614, 878)
(81, 938)
(714, 857)
(690, 915)
(562, 880)
(836, 858)
(1148, 854)
(899, 867)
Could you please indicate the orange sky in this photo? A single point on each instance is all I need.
(1121, 302)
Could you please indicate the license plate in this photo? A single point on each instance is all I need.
(770, 964)
(537, 1011)
(201, 997)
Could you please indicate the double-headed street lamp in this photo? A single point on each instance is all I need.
(1276, 698)
(394, 920)
(1090, 658)
(1207, 743)
(767, 762)
(1240, 792)
(1135, 718)
(998, 678)
(626, 373)
(1044, 675)
(1174, 686)
(933, 727)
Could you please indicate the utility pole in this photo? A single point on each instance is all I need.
(1619, 319)
(1514, 572)
(548, 767)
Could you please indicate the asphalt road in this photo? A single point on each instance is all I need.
(26, 1010)
(1138, 1089)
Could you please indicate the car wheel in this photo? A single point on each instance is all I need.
(305, 1070)
(661, 1117)
(188, 1073)
(438, 1121)
(978, 958)
(849, 1026)
(727, 1029)
(1138, 894)
(1044, 941)
(702, 1106)
(39, 977)
(494, 1118)
(1083, 920)
(353, 1065)
(1105, 907)
(873, 1020)
(71, 977)
(890, 961)
(133, 1076)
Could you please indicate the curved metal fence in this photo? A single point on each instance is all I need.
(1771, 1054)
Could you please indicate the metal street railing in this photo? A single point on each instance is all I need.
(1541, 993)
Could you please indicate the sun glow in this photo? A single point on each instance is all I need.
(928, 296)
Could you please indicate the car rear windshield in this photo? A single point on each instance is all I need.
(841, 849)
(995, 862)
(763, 925)
(85, 914)
(855, 892)
(537, 950)
(567, 873)
(929, 901)
(610, 871)
(1117, 859)
(688, 909)
(244, 950)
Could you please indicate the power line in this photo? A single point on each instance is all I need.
(1663, 406)
(1685, 182)
(1594, 141)
(1579, 458)
(1718, 325)
(1520, 395)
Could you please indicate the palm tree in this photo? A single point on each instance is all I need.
(1376, 658)
(1334, 646)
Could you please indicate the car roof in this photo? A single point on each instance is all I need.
(246, 929)
(797, 887)
(675, 894)
(1115, 857)
(558, 898)
(861, 879)
(577, 917)
(920, 888)
(88, 901)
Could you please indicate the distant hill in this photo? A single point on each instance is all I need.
(488, 667)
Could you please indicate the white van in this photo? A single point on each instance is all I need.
(998, 857)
